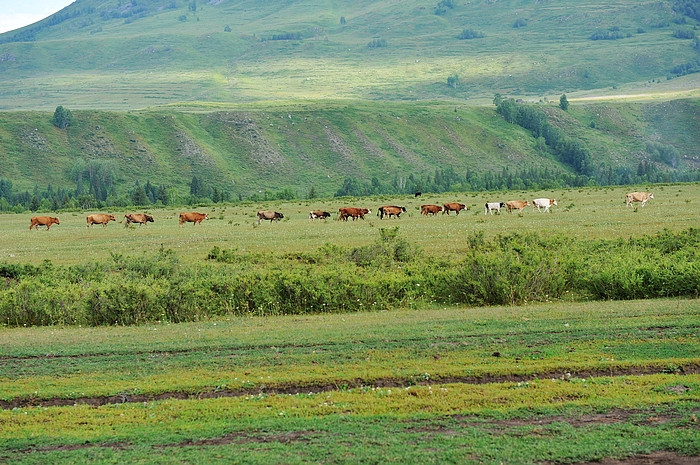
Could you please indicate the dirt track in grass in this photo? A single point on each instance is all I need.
(345, 384)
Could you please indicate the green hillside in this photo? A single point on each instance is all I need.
(379, 147)
(126, 54)
(238, 99)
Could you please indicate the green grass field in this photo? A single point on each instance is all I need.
(561, 382)
(558, 382)
(590, 213)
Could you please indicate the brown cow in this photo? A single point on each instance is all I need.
(389, 211)
(453, 207)
(319, 214)
(140, 218)
(345, 212)
(638, 197)
(192, 217)
(100, 218)
(43, 221)
(516, 205)
(269, 215)
(430, 209)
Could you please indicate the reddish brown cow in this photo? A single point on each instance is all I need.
(345, 212)
(140, 218)
(390, 210)
(516, 205)
(43, 221)
(100, 218)
(430, 209)
(453, 207)
(192, 217)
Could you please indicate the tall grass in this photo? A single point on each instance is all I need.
(509, 269)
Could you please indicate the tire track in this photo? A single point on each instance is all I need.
(316, 388)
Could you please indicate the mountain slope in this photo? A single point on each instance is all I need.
(297, 148)
(119, 54)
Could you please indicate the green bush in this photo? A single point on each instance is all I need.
(508, 269)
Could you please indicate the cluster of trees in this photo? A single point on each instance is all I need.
(690, 8)
(288, 36)
(467, 34)
(569, 151)
(442, 7)
(613, 33)
(95, 184)
(377, 43)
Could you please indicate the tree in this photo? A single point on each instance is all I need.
(62, 117)
(453, 81)
(563, 102)
(139, 196)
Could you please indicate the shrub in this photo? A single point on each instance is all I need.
(377, 43)
(467, 34)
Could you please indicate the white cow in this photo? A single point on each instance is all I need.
(543, 203)
(638, 197)
(491, 206)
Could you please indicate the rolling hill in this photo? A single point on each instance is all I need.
(121, 54)
(328, 97)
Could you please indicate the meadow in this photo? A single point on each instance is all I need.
(586, 213)
(547, 383)
(557, 376)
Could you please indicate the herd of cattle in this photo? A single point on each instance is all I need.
(343, 213)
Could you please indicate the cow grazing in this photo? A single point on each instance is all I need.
(269, 215)
(453, 207)
(430, 209)
(43, 221)
(543, 203)
(417, 194)
(319, 214)
(516, 205)
(490, 207)
(100, 218)
(140, 218)
(638, 197)
(192, 217)
(389, 211)
(345, 212)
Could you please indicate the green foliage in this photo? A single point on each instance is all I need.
(690, 8)
(62, 117)
(563, 102)
(467, 34)
(570, 151)
(377, 43)
(510, 269)
(453, 81)
(613, 33)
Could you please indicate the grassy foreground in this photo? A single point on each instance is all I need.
(556, 382)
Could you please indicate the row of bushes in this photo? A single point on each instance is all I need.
(509, 269)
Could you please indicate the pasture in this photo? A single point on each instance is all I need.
(548, 383)
(423, 381)
(588, 213)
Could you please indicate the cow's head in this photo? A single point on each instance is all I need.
(55, 220)
(279, 215)
(112, 218)
(149, 218)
